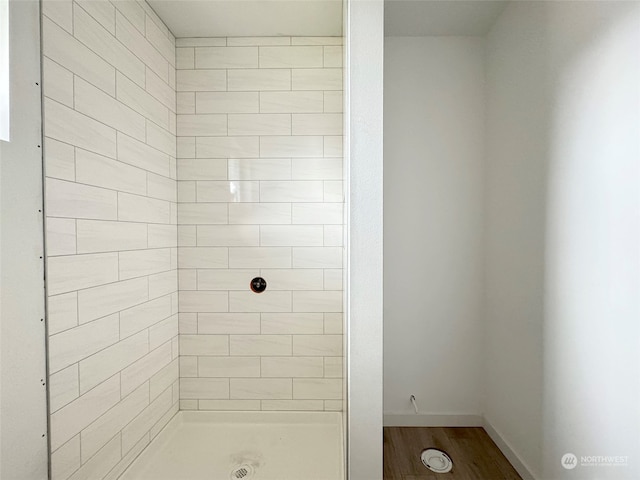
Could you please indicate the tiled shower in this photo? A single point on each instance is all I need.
(176, 171)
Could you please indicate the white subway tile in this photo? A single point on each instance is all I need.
(138, 427)
(62, 312)
(164, 283)
(291, 367)
(228, 191)
(226, 102)
(317, 213)
(186, 235)
(234, 279)
(185, 58)
(226, 57)
(307, 388)
(333, 367)
(104, 300)
(135, 208)
(333, 146)
(71, 419)
(67, 199)
(316, 79)
(66, 460)
(206, 301)
(162, 380)
(317, 169)
(229, 367)
(142, 102)
(61, 12)
(258, 80)
(143, 262)
(77, 129)
(100, 366)
(59, 159)
(202, 213)
(94, 169)
(67, 51)
(317, 257)
(259, 257)
(333, 323)
(291, 102)
(140, 371)
(291, 191)
(333, 191)
(257, 41)
(136, 319)
(104, 236)
(63, 387)
(99, 432)
(259, 213)
(159, 39)
(228, 235)
(201, 80)
(61, 236)
(163, 332)
(292, 405)
(161, 139)
(75, 272)
(333, 102)
(202, 169)
(186, 102)
(140, 155)
(138, 44)
(58, 82)
(259, 124)
(316, 124)
(186, 147)
(259, 169)
(333, 279)
(290, 57)
(98, 105)
(187, 279)
(316, 41)
(332, 56)
(203, 257)
(101, 463)
(188, 367)
(160, 90)
(137, 449)
(298, 146)
(260, 388)
(204, 388)
(264, 302)
(201, 42)
(333, 236)
(318, 345)
(291, 235)
(187, 192)
(228, 323)
(292, 323)
(133, 12)
(293, 279)
(162, 236)
(188, 323)
(103, 12)
(227, 147)
(193, 125)
(232, 405)
(328, 301)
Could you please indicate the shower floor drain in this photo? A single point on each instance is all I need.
(436, 460)
(241, 472)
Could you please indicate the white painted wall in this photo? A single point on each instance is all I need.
(563, 236)
(433, 176)
(23, 403)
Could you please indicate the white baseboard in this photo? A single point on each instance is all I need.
(432, 420)
(521, 467)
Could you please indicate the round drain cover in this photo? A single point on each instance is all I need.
(243, 471)
(436, 460)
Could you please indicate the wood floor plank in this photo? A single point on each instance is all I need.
(474, 455)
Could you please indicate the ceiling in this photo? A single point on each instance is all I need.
(440, 17)
(251, 18)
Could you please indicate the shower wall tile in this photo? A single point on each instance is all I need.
(260, 193)
(111, 194)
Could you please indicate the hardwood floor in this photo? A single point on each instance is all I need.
(474, 455)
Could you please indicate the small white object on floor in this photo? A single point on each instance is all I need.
(436, 460)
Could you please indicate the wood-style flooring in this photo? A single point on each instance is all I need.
(474, 455)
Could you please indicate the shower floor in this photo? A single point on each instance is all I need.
(276, 445)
